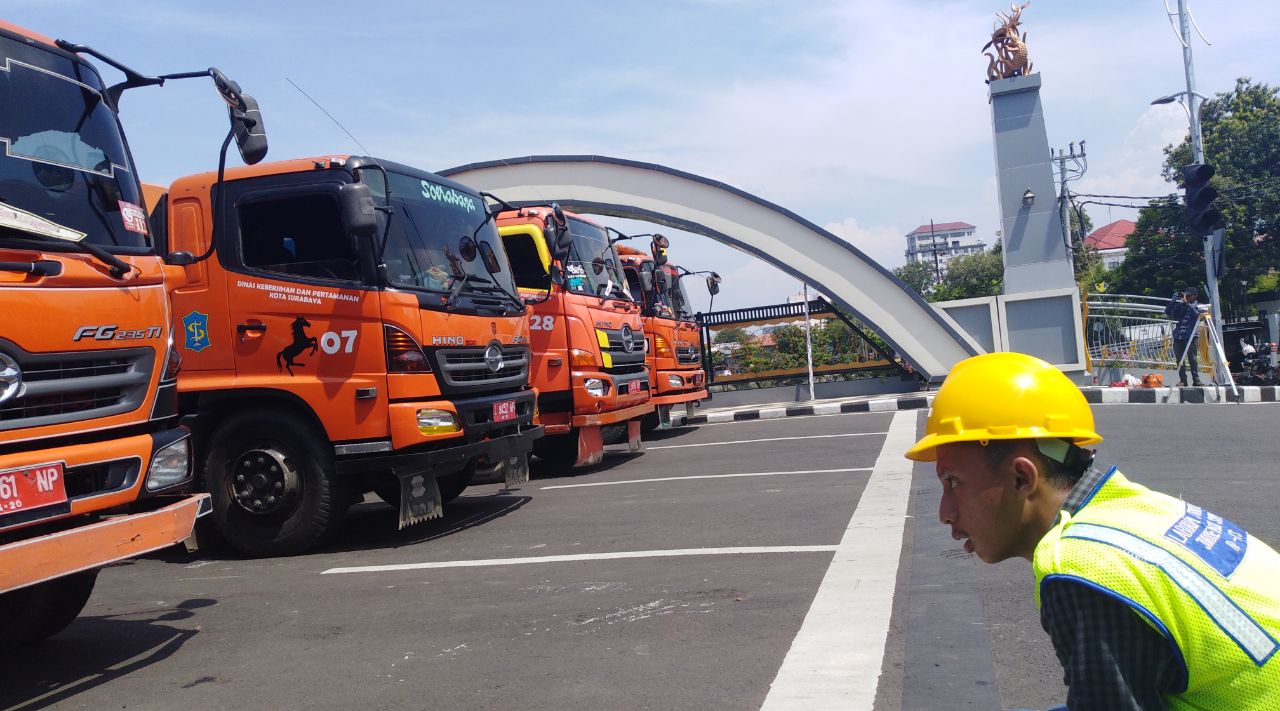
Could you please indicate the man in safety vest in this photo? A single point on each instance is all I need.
(1151, 602)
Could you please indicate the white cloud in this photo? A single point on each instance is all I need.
(885, 245)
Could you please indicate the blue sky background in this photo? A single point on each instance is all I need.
(867, 117)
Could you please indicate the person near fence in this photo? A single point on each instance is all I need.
(1185, 309)
(1151, 602)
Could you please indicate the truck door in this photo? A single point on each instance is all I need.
(304, 315)
(548, 331)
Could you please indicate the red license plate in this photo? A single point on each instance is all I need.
(634, 387)
(504, 411)
(31, 487)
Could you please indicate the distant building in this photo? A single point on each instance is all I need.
(941, 242)
(1109, 241)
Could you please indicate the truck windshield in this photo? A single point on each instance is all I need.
(593, 266)
(433, 239)
(64, 170)
(680, 301)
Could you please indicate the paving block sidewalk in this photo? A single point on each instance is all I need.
(921, 400)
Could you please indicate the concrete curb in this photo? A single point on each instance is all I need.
(915, 401)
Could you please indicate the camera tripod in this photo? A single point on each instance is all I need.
(1204, 321)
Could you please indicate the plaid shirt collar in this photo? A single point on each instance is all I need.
(1083, 488)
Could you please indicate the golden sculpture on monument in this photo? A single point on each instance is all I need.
(1010, 58)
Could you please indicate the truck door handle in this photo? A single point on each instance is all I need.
(246, 327)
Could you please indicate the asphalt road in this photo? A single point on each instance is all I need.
(660, 581)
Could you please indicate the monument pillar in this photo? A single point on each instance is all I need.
(1035, 256)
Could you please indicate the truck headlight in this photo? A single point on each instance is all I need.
(675, 381)
(596, 387)
(434, 422)
(170, 465)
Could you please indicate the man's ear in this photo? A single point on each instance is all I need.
(1026, 474)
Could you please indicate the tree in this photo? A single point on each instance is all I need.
(917, 275)
(971, 276)
(732, 335)
(1241, 130)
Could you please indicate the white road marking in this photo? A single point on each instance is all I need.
(835, 658)
(766, 439)
(573, 557)
(704, 476)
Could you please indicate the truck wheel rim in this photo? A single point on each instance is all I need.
(264, 481)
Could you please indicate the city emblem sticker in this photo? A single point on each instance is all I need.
(196, 327)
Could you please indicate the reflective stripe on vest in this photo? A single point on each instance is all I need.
(1240, 627)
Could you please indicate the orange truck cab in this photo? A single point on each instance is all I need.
(94, 465)
(674, 339)
(356, 329)
(586, 333)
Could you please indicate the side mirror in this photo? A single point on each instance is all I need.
(250, 133)
(659, 249)
(489, 258)
(557, 234)
(359, 216)
(179, 259)
(713, 283)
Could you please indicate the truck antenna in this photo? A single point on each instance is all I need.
(331, 118)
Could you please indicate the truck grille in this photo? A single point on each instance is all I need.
(465, 369)
(688, 355)
(69, 387)
(624, 362)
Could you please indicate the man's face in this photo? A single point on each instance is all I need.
(978, 503)
(1191, 298)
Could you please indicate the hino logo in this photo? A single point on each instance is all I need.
(628, 344)
(10, 378)
(115, 333)
(493, 357)
(447, 341)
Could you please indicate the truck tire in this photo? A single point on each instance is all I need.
(40, 611)
(560, 452)
(649, 424)
(271, 478)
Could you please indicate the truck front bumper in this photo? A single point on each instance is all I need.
(35, 560)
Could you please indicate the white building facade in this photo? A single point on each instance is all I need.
(939, 243)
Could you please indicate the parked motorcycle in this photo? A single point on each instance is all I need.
(1255, 365)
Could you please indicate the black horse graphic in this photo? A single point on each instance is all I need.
(301, 342)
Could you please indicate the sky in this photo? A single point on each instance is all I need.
(867, 117)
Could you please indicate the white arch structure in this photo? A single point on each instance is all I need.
(654, 193)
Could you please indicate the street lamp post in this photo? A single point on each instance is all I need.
(1192, 105)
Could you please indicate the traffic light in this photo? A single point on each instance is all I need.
(1202, 216)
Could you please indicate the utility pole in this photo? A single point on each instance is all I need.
(1064, 201)
(808, 340)
(933, 245)
(1214, 240)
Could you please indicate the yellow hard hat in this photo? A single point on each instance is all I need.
(1005, 396)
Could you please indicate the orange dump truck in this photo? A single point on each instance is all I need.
(586, 333)
(674, 339)
(356, 330)
(94, 467)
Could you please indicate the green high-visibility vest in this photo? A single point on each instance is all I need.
(1200, 580)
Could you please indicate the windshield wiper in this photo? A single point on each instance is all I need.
(459, 281)
(118, 267)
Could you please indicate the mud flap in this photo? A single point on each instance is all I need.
(419, 499)
(634, 445)
(516, 471)
(664, 417)
(192, 542)
(590, 446)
